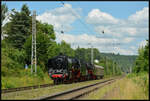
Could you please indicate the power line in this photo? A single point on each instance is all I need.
(85, 27)
(78, 18)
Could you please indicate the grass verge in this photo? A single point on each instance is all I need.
(36, 93)
(126, 88)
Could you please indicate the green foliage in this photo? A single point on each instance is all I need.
(66, 49)
(125, 62)
(11, 60)
(26, 79)
(53, 50)
(85, 54)
(46, 29)
(4, 10)
(17, 56)
(110, 67)
(19, 27)
(16, 50)
(40, 72)
(43, 43)
(142, 61)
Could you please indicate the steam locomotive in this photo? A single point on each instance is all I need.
(67, 69)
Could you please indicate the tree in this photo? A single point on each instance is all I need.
(66, 49)
(142, 61)
(44, 44)
(85, 54)
(4, 10)
(19, 27)
(53, 50)
(45, 28)
(146, 56)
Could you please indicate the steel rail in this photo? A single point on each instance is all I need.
(25, 88)
(66, 93)
(9, 90)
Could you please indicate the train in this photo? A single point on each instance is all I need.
(63, 69)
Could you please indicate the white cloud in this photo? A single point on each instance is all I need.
(128, 40)
(133, 47)
(61, 17)
(108, 45)
(135, 26)
(140, 17)
(108, 31)
(124, 31)
(132, 31)
(83, 40)
(98, 17)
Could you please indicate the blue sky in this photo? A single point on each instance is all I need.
(116, 8)
(111, 16)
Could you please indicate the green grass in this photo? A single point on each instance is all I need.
(25, 79)
(131, 87)
(142, 79)
(36, 93)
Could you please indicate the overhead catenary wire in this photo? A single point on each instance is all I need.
(85, 27)
(78, 18)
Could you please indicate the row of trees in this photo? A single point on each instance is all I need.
(18, 43)
(125, 62)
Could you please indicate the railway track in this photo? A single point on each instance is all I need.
(9, 90)
(78, 92)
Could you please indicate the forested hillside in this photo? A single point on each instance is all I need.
(124, 61)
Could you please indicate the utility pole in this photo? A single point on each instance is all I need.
(91, 54)
(105, 65)
(113, 68)
(33, 57)
(62, 32)
(130, 69)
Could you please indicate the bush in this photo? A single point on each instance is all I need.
(17, 56)
(40, 72)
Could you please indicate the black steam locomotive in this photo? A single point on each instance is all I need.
(66, 69)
